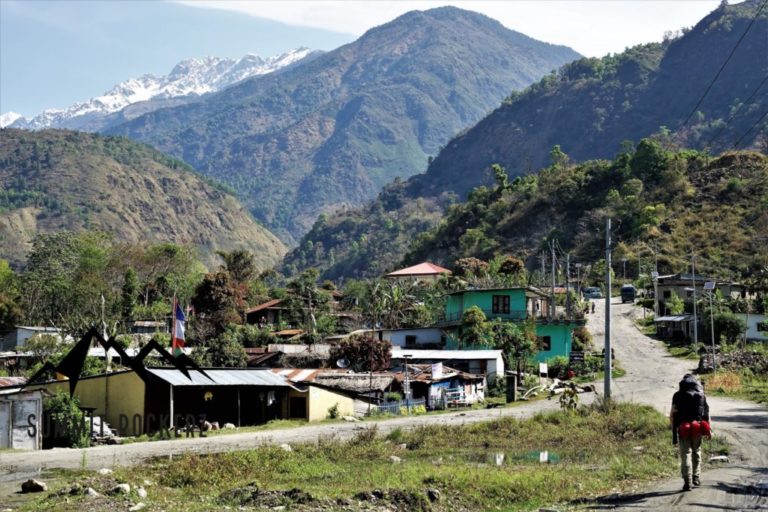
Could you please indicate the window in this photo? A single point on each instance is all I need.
(410, 339)
(501, 304)
(545, 343)
(667, 294)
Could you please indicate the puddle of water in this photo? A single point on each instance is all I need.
(502, 458)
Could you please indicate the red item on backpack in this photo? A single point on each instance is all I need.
(694, 429)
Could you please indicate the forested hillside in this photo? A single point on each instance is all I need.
(57, 180)
(672, 202)
(332, 131)
(591, 108)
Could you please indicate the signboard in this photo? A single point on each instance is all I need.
(543, 371)
(437, 371)
(709, 285)
(576, 357)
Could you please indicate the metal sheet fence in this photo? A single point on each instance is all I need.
(399, 408)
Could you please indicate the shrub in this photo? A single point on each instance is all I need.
(333, 411)
(557, 366)
(393, 397)
(65, 422)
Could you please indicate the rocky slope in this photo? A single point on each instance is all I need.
(54, 180)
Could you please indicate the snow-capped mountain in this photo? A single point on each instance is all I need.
(187, 80)
(9, 118)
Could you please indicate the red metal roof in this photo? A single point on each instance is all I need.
(422, 269)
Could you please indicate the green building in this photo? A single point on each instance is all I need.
(514, 305)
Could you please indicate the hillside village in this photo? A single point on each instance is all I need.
(445, 266)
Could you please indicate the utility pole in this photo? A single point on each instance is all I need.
(553, 307)
(710, 285)
(568, 284)
(693, 283)
(578, 278)
(542, 257)
(624, 261)
(608, 361)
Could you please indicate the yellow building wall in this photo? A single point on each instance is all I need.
(320, 400)
(121, 395)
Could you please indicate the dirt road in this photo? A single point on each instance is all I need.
(652, 378)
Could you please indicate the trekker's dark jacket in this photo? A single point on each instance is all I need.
(690, 404)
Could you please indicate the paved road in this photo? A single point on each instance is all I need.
(652, 378)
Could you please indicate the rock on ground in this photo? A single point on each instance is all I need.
(33, 485)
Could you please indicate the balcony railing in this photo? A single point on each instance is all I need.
(455, 318)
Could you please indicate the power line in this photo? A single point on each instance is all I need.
(750, 129)
(745, 102)
(712, 83)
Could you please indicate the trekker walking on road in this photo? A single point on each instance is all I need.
(689, 418)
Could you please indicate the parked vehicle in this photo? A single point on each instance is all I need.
(593, 292)
(628, 293)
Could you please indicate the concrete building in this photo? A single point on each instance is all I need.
(479, 362)
(15, 339)
(21, 418)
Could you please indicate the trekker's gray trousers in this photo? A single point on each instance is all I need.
(690, 452)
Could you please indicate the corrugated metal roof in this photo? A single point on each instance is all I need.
(220, 377)
(266, 305)
(12, 381)
(446, 354)
(674, 318)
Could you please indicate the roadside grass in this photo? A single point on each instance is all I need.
(616, 372)
(683, 351)
(742, 384)
(493, 465)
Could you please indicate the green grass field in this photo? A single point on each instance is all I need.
(494, 465)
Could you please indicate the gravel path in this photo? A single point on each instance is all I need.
(652, 378)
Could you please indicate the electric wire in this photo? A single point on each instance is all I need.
(736, 144)
(728, 121)
(727, 60)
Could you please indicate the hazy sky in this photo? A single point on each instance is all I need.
(55, 53)
(592, 28)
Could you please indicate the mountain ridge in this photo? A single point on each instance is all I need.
(331, 132)
(186, 81)
(587, 109)
(55, 180)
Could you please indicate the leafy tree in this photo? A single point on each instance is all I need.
(226, 352)
(128, 302)
(674, 305)
(474, 327)
(728, 327)
(240, 264)
(65, 280)
(215, 302)
(469, 267)
(363, 352)
(516, 341)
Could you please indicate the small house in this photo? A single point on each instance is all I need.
(489, 363)
(674, 327)
(516, 304)
(15, 339)
(269, 313)
(440, 386)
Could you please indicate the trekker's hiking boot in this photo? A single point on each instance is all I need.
(696, 482)
(686, 486)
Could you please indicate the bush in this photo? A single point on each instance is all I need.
(557, 366)
(393, 397)
(333, 411)
(65, 422)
